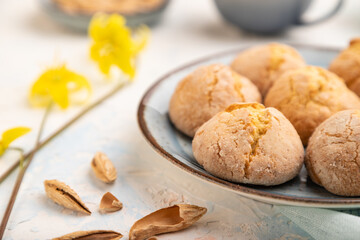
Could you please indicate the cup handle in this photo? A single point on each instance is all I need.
(336, 8)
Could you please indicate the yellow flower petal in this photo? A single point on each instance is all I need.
(39, 93)
(104, 65)
(58, 84)
(99, 28)
(113, 44)
(60, 95)
(125, 63)
(10, 135)
(2, 149)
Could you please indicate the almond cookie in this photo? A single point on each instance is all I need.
(332, 156)
(248, 143)
(347, 65)
(264, 64)
(205, 92)
(308, 96)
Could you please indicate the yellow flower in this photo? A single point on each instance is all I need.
(57, 85)
(10, 135)
(113, 44)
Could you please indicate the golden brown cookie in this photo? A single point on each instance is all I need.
(347, 65)
(205, 92)
(248, 143)
(308, 96)
(264, 64)
(332, 156)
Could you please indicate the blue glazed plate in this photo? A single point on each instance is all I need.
(174, 146)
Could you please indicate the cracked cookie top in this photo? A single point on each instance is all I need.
(264, 64)
(249, 143)
(332, 156)
(309, 95)
(205, 92)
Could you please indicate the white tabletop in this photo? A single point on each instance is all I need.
(30, 41)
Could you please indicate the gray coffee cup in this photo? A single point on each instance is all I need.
(268, 16)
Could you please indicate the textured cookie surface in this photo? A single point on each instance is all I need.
(332, 156)
(263, 65)
(308, 96)
(247, 143)
(205, 92)
(347, 66)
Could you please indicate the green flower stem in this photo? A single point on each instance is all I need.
(19, 162)
(28, 157)
(21, 152)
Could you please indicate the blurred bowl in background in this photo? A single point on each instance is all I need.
(80, 21)
(268, 16)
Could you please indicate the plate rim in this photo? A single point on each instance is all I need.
(239, 189)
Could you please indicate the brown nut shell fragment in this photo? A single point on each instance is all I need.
(103, 168)
(109, 203)
(332, 156)
(91, 235)
(63, 195)
(171, 219)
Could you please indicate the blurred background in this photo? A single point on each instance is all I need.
(35, 34)
(243, 18)
(196, 25)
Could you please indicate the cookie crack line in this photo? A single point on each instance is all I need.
(276, 59)
(211, 90)
(221, 158)
(311, 96)
(218, 148)
(260, 122)
(238, 85)
(348, 127)
(212, 86)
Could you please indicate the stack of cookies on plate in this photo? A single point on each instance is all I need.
(237, 138)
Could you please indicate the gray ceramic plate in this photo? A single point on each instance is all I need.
(175, 147)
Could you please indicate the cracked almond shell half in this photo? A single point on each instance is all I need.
(63, 195)
(103, 168)
(91, 235)
(166, 220)
(109, 203)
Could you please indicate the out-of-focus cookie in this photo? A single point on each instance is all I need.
(264, 64)
(332, 156)
(347, 65)
(248, 143)
(205, 92)
(308, 96)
